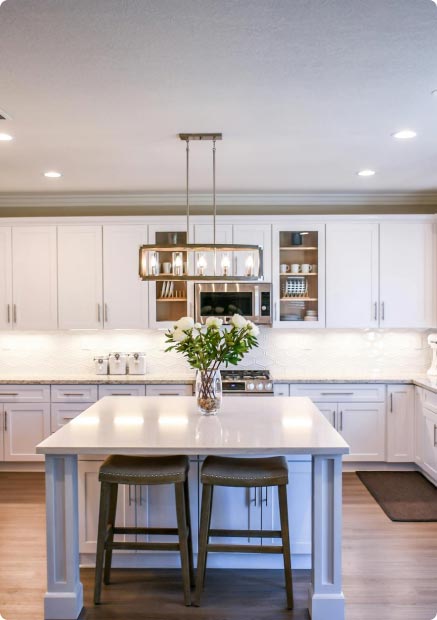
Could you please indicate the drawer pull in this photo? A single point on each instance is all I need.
(73, 394)
(68, 417)
(121, 394)
(168, 394)
(337, 393)
(8, 393)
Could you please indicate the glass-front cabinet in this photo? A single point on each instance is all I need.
(169, 300)
(299, 275)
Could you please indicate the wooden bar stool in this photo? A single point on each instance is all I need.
(139, 470)
(242, 472)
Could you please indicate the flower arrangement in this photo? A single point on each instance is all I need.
(206, 347)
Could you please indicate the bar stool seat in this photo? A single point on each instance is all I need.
(140, 470)
(246, 473)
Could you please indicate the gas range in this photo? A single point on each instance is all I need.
(248, 382)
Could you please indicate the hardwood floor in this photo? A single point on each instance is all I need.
(389, 570)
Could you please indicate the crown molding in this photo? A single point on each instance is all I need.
(79, 199)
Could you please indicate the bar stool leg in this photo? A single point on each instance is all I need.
(101, 539)
(183, 540)
(190, 536)
(207, 540)
(283, 511)
(203, 540)
(110, 538)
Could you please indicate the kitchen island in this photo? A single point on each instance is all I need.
(158, 425)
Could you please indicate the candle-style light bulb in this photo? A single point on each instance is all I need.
(225, 263)
(177, 264)
(249, 266)
(201, 265)
(154, 263)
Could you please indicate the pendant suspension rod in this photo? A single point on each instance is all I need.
(188, 190)
(213, 185)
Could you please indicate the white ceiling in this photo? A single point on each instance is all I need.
(306, 92)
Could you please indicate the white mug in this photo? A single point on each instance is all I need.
(295, 268)
(306, 268)
(284, 268)
(166, 267)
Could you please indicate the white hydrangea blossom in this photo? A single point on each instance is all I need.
(238, 321)
(253, 328)
(213, 321)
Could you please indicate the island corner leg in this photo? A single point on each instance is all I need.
(64, 597)
(326, 599)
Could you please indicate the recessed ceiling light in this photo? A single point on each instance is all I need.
(52, 174)
(5, 137)
(366, 173)
(404, 134)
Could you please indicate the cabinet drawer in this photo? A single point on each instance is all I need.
(24, 393)
(74, 393)
(169, 390)
(281, 389)
(64, 412)
(122, 390)
(429, 400)
(344, 392)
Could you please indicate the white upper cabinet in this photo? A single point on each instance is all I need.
(125, 295)
(34, 277)
(406, 274)
(352, 275)
(5, 278)
(80, 277)
(253, 234)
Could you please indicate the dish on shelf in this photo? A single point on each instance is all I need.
(310, 318)
(290, 317)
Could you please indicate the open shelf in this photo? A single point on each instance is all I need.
(292, 275)
(298, 299)
(172, 299)
(297, 248)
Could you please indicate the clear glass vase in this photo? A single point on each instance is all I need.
(208, 391)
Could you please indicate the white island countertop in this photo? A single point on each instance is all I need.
(157, 425)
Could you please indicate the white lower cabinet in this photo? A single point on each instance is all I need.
(400, 423)
(429, 442)
(235, 508)
(169, 390)
(24, 426)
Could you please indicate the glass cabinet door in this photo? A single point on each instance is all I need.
(299, 268)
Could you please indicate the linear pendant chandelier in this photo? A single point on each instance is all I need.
(200, 261)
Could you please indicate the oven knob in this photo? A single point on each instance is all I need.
(263, 308)
(269, 386)
(250, 386)
(260, 387)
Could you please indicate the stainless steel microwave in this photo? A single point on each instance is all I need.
(224, 299)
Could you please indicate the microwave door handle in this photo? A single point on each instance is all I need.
(256, 303)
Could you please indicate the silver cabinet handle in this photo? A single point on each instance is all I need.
(73, 394)
(266, 500)
(334, 413)
(98, 313)
(341, 420)
(276, 311)
(8, 393)
(253, 501)
(8, 312)
(141, 495)
(391, 401)
(383, 311)
(106, 313)
(337, 393)
(15, 313)
(130, 497)
(169, 394)
(435, 432)
(375, 312)
(6, 423)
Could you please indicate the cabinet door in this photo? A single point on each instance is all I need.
(80, 277)
(406, 274)
(400, 423)
(418, 425)
(5, 278)
(25, 426)
(329, 411)
(429, 442)
(34, 277)
(253, 234)
(125, 295)
(203, 233)
(2, 426)
(351, 275)
(363, 427)
(299, 490)
(89, 499)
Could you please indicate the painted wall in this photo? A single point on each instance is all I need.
(324, 352)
